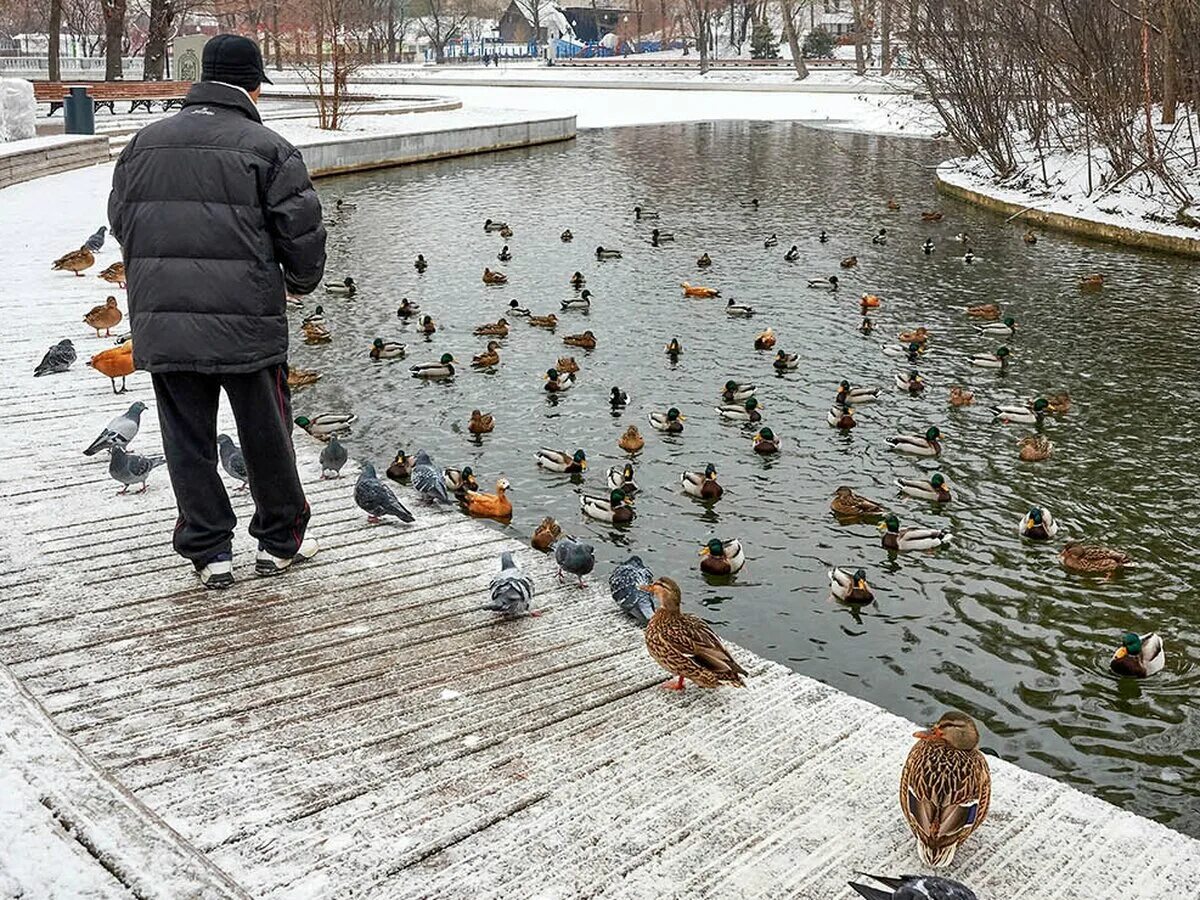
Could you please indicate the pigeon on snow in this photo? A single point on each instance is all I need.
(96, 241)
(574, 557)
(130, 469)
(512, 588)
(376, 499)
(57, 359)
(626, 582)
(232, 460)
(333, 457)
(427, 480)
(120, 431)
(915, 887)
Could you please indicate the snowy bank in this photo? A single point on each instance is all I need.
(1121, 213)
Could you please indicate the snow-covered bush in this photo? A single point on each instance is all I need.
(17, 110)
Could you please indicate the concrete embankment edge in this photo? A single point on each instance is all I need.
(359, 153)
(1100, 231)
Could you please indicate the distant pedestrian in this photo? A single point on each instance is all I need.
(218, 222)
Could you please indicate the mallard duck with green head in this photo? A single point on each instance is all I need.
(560, 461)
(670, 422)
(614, 508)
(443, 368)
(381, 349)
(719, 557)
(1139, 656)
(850, 587)
(765, 442)
(746, 411)
(928, 444)
(896, 538)
(621, 478)
(933, 489)
(703, 485)
(737, 392)
(326, 424)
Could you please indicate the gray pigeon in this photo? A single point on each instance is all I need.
(333, 457)
(376, 499)
(57, 359)
(130, 469)
(574, 557)
(626, 582)
(96, 241)
(427, 480)
(915, 887)
(232, 460)
(120, 431)
(511, 588)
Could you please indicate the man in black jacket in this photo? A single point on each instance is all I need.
(218, 221)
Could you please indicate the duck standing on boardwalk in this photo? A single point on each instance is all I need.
(511, 588)
(685, 645)
(75, 261)
(945, 787)
(107, 316)
(114, 274)
(546, 534)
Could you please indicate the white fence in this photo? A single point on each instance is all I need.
(71, 66)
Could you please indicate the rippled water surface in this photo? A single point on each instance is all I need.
(990, 625)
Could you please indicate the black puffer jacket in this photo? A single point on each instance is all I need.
(215, 213)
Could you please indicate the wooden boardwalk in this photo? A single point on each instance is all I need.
(359, 727)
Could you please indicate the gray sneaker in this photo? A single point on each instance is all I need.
(266, 564)
(217, 573)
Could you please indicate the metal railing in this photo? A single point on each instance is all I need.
(68, 65)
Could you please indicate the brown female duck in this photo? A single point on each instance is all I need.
(945, 788)
(586, 340)
(481, 423)
(106, 317)
(684, 645)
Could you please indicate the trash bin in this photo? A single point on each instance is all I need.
(79, 113)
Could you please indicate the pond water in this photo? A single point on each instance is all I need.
(991, 625)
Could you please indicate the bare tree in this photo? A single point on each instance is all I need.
(443, 20)
(327, 69)
(699, 15)
(885, 37)
(114, 35)
(860, 60)
(54, 37)
(793, 39)
(161, 21)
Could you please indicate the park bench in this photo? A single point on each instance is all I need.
(106, 93)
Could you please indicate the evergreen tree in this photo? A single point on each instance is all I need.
(762, 42)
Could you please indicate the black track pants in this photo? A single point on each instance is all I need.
(262, 407)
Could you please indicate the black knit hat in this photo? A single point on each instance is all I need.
(233, 59)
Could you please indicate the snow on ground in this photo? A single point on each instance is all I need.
(605, 108)
(1138, 203)
(37, 857)
(524, 71)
